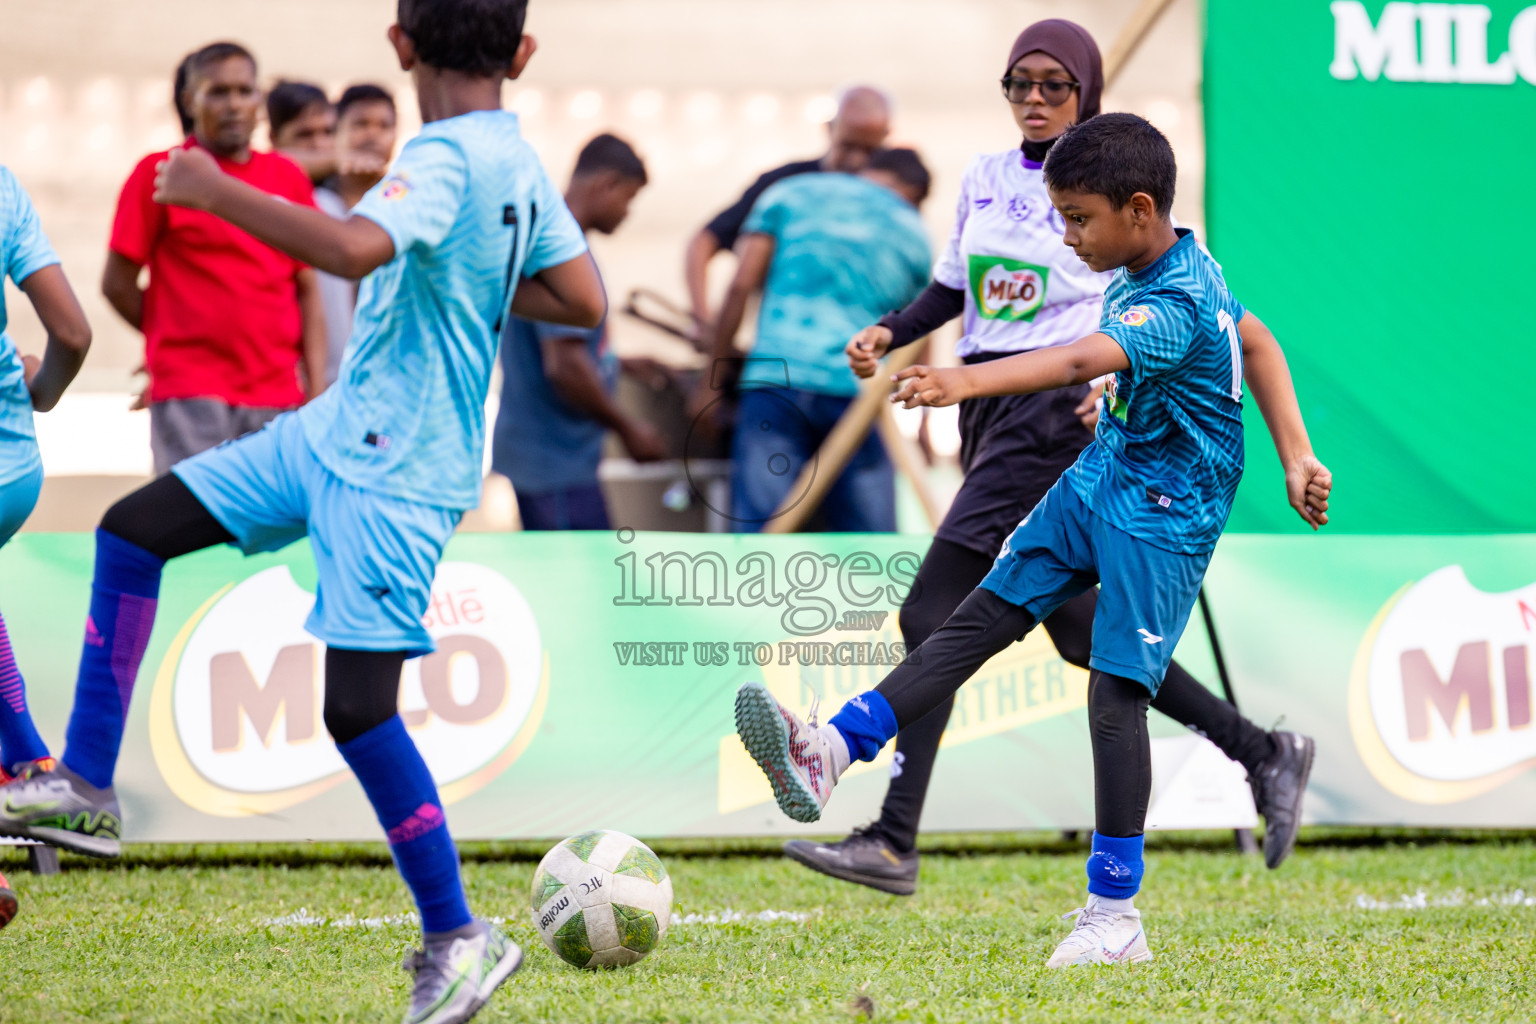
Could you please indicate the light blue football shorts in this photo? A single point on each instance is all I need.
(18, 494)
(1146, 593)
(376, 555)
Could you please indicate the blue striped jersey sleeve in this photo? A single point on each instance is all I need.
(1155, 333)
(421, 198)
(558, 237)
(23, 247)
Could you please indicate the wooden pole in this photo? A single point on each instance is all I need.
(909, 463)
(820, 472)
(1131, 36)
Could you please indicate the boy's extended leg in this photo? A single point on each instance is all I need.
(803, 762)
(1109, 929)
(463, 960)
(73, 806)
(1278, 763)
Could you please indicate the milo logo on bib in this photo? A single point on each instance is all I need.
(1007, 289)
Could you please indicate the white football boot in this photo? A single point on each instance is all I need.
(1102, 936)
(798, 757)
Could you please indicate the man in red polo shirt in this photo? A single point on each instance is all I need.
(233, 329)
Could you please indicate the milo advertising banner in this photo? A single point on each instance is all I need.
(585, 680)
(1348, 146)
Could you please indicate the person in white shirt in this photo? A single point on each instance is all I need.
(1007, 271)
(365, 142)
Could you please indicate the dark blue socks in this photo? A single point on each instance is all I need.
(400, 787)
(1115, 866)
(19, 740)
(866, 724)
(124, 593)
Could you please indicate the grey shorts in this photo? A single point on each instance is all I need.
(182, 427)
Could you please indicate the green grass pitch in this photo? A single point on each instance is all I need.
(178, 935)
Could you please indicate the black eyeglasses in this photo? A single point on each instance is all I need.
(1055, 91)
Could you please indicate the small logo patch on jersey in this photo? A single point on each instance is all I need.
(1148, 637)
(377, 440)
(1018, 206)
(982, 204)
(396, 188)
(1005, 289)
(1136, 316)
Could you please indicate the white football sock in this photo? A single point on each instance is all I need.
(839, 749)
(1118, 906)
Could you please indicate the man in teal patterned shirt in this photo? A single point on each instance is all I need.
(830, 253)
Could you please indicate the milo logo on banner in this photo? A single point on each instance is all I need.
(1436, 42)
(1007, 289)
(1440, 695)
(235, 715)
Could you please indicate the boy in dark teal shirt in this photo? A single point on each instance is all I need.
(1139, 513)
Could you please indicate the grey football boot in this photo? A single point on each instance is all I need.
(1278, 787)
(865, 858)
(60, 808)
(457, 971)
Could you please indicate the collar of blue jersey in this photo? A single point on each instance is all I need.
(1151, 270)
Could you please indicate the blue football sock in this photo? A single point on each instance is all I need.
(1115, 866)
(19, 740)
(866, 724)
(124, 593)
(400, 787)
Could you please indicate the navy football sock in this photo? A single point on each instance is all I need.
(19, 740)
(866, 724)
(124, 593)
(1115, 866)
(392, 773)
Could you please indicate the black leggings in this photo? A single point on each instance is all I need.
(165, 518)
(985, 624)
(947, 576)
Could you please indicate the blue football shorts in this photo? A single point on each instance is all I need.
(1145, 592)
(376, 555)
(18, 494)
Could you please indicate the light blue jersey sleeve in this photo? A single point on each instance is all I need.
(23, 246)
(421, 198)
(558, 237)
(768, 214)
(1155, 333)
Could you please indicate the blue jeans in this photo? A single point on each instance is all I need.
(778, 430)
(567, 508)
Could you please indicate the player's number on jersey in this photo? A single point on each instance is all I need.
(509, 219)
(1224, 322)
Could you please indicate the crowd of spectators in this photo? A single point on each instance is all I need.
(235, 332)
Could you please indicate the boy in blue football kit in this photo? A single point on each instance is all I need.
(465, 230)
(28, 384)
(1139, 513)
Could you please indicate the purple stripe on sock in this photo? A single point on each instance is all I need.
(130, 638)
(422, 820)
(11, 689)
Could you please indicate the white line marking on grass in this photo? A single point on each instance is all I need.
(1423, 901)
(729, 916)
(302, 918)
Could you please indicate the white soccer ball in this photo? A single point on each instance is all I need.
(601, 899)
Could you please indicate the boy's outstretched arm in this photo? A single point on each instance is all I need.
(569, 293)
(1308, 482)
(1078, 363)
(351, 248)
(69, 336)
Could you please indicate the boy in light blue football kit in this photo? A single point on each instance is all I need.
(27, 258)
(466, 229)
(1139, 513)
(27, 384)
